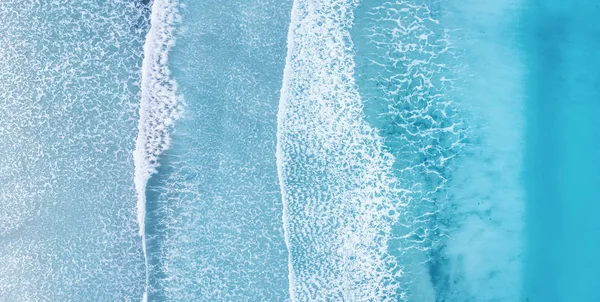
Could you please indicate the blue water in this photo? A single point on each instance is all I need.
(299, 150)
(405, 77)
(213, 208)
(69, 78)
(562, 247)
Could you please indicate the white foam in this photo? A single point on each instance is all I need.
(160, 105)
(287, 73)
(336, 182)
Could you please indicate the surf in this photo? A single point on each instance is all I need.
(340, 197)
(160, 106)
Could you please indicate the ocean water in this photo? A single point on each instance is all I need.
(562, 102)
(213, 220)
(401, 165)
(298, 150)
(69, 78)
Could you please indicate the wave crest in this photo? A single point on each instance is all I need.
(160, 105)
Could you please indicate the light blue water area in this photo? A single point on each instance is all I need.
(416, 150)
(561, 41)
(400, 151)
(404, 73)
(440, 83)
(69, 79)
(485, 244)
(214, 210)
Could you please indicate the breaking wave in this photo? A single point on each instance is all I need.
(160, 104)
(339, 194)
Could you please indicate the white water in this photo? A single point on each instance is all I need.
(287, 72)
(160, 106)
(338, 191)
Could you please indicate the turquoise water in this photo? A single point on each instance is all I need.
(405, 77)
(299, 150)
(562, 249)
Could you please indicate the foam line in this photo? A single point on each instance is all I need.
(160, 106)
(287, 72)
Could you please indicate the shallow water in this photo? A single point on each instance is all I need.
(380, 150)
(214, 210)
(68, 84)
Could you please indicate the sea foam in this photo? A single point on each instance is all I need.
(160, 104)
(338, 190)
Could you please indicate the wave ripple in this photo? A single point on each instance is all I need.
(339, 194)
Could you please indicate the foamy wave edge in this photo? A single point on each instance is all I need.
(160, 106)
(358, 248)
(287, 73)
